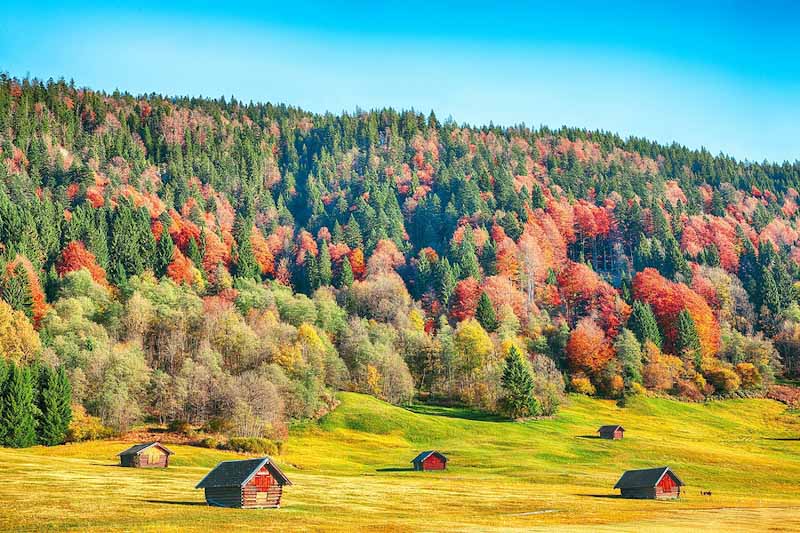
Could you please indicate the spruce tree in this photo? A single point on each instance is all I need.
(19, 409)
(643, 323)
(688, 341)
(346, 274)
(324, 266)
(517, 381)
(485, 314)
(164, 251)
(629, 354)
(352, 234)
(537, 197)
(193, 253)
(54, 402)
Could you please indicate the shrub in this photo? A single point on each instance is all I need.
(582, 385)
(254, 445)
(218, 425)
(751, 378)
(209, 442)
(180, 426)
(86, 427)
(722, 377)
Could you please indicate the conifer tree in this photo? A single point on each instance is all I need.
(54, 406)
(517, 381)
(19, 408)
(346, 275)
(164, 251)
(193, 253)
(325, 267)
(16, 291)
(352, 234)
(629, 353)
(485, 314)
(688, 341)
(643, 323)
(447, 281)
(537, 197)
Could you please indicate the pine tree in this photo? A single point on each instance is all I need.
(629, 354)
(325, 267)
(352, 234)
(688, 341)
(643, 323)
(16, 291)
(54, 402)
(193, 253)
(447, 281)
(164, 250)
(19, 409)
(517, 381)
(485, 314)
(537, 197)
(346, 274)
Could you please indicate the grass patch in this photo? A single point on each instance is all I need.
(351, 472)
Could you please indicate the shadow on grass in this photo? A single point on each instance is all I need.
(606, 496)
(395, 469)
(171, 502)
(783, 438)
(587, 437)
(463, 413)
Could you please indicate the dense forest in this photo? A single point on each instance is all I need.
(232, 265)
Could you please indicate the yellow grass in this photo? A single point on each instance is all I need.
(348, 474)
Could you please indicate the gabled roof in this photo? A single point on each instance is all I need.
(612, 427)
(426, 454)
(239, 473)
(645, 478)
(136, 449)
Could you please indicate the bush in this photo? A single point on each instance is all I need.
(86, 427)
(218, 425)
(180, 426)
(582, 385)
(209, 442)
(724, 378)
(254, 445)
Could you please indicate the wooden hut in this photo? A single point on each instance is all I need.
(147, 455)
(430, 460)
(613, 432)
(650, 483)
(248, 484)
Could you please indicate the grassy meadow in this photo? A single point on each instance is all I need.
(351, 473)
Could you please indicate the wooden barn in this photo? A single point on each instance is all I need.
(248, 484)
(611, 432)
(650, 483)
(147, 455)
(430, 460)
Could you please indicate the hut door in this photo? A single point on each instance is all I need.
(263, 481)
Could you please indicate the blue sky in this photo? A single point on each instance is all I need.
(724, 75)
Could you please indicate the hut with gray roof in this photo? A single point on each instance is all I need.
(146, 455)
(650, 483)
(247, 484)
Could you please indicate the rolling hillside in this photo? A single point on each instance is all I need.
(350, 472)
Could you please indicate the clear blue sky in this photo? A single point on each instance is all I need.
(724, 75)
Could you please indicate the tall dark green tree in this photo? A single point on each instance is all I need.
(687, 342)
(55, 399)
(19, 410)
(346, 274)
(518, 400)
(485, 314)
(643, 324)
(164, 251)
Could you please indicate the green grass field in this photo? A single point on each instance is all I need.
(350, 473)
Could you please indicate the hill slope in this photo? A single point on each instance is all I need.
(350, 472)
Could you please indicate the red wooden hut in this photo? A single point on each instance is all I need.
(612, 432)
(147, 455)
(651, 483)
(430, 460)
(249, 484)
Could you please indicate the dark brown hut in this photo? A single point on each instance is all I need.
(249, 484)
(430, 460)
(613, 432)
(650, 483)
(147, 455)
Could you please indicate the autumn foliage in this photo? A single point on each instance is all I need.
(74, 257)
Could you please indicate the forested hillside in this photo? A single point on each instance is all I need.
(234, 264)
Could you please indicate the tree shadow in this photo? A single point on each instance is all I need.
(463, 413)
(395, 469)
(170, 502)
(587, 437)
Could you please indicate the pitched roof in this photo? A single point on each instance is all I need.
(612, 427)
(645, 478)
(238, 473)
(136, 449)
(424, 455)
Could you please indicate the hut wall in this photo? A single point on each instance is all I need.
(224, 496)
(262, 491)
(639, 493)
(153, 460)
(127, 460)
(611, 435)
(433, 462)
